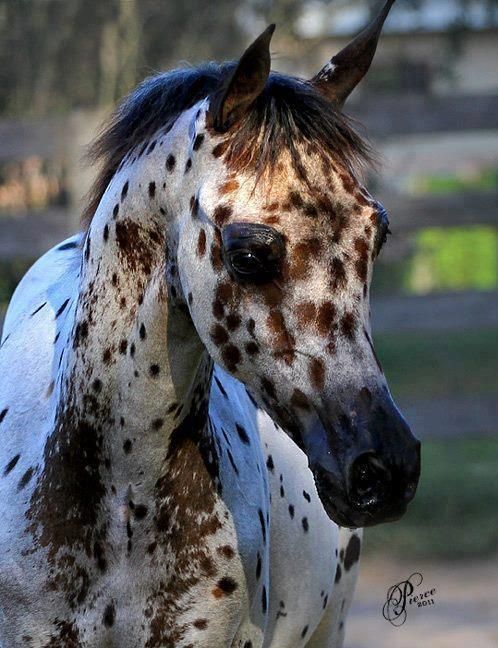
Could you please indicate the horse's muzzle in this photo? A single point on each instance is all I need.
(366, 472)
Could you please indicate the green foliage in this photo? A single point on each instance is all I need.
(454, 259)
(442, 259)
(453, 515)
(485, 180)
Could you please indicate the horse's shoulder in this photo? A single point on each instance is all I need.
(53, 274)
(29, 354)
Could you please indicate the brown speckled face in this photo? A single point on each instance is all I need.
(283, 305)
(286, 268)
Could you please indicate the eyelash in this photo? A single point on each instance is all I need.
(383, 232)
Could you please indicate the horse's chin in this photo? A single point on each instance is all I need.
(343, 513)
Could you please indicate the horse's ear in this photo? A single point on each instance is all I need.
(244, 85)
(345, 70)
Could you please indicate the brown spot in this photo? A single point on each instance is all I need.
(352, 554)
(216, 260)
(199, 139)
(201, 624)
(228, 187)
(71, 489)
(154, 370)
(25, 478)
(338, 273)
(332, 344)
(309, 209)
(152, 189)
(303, 254)
(109, 615)
(231, 357)
(272, 294)
(185, 519)
(326, 316)
(325, 206)
(361, 267)
(268, 387)
(134, 246)
(306, 314)
(221, 214)
(233, 321)
(347, 183)
(282, 339)
(219, 149)
(107, 356)
(224, 587)
(224, 292)
(67, 635)
(296, 199)
(227, 551)
(170, 162)
(317, 373)
(299, 399)
(362, 200)
(218, 309)
(201, 243)
(219, 335)
(348, 325)
(361, 247)
(252, 348)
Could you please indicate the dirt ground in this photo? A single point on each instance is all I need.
(465, 613)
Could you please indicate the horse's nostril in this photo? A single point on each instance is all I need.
(369, 480)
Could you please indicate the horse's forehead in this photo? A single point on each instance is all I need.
(329, 202)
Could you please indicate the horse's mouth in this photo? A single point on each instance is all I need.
(351, 514)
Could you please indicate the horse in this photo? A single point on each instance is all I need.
(195, 426)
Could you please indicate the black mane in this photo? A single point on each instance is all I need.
(288, 111)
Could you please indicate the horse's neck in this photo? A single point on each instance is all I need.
(137, 365)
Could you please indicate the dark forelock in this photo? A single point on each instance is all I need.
(289, 111)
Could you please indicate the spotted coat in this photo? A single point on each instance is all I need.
(149, 495)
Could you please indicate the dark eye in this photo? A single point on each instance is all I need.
(245, 262)
(252, 252)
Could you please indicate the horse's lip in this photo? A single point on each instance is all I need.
(342, 511)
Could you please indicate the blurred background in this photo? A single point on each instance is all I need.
(430, 105)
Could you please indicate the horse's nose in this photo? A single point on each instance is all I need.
(374, 483)
(369, 482)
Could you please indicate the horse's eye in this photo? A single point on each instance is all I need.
(244, 262)
(252, 252)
